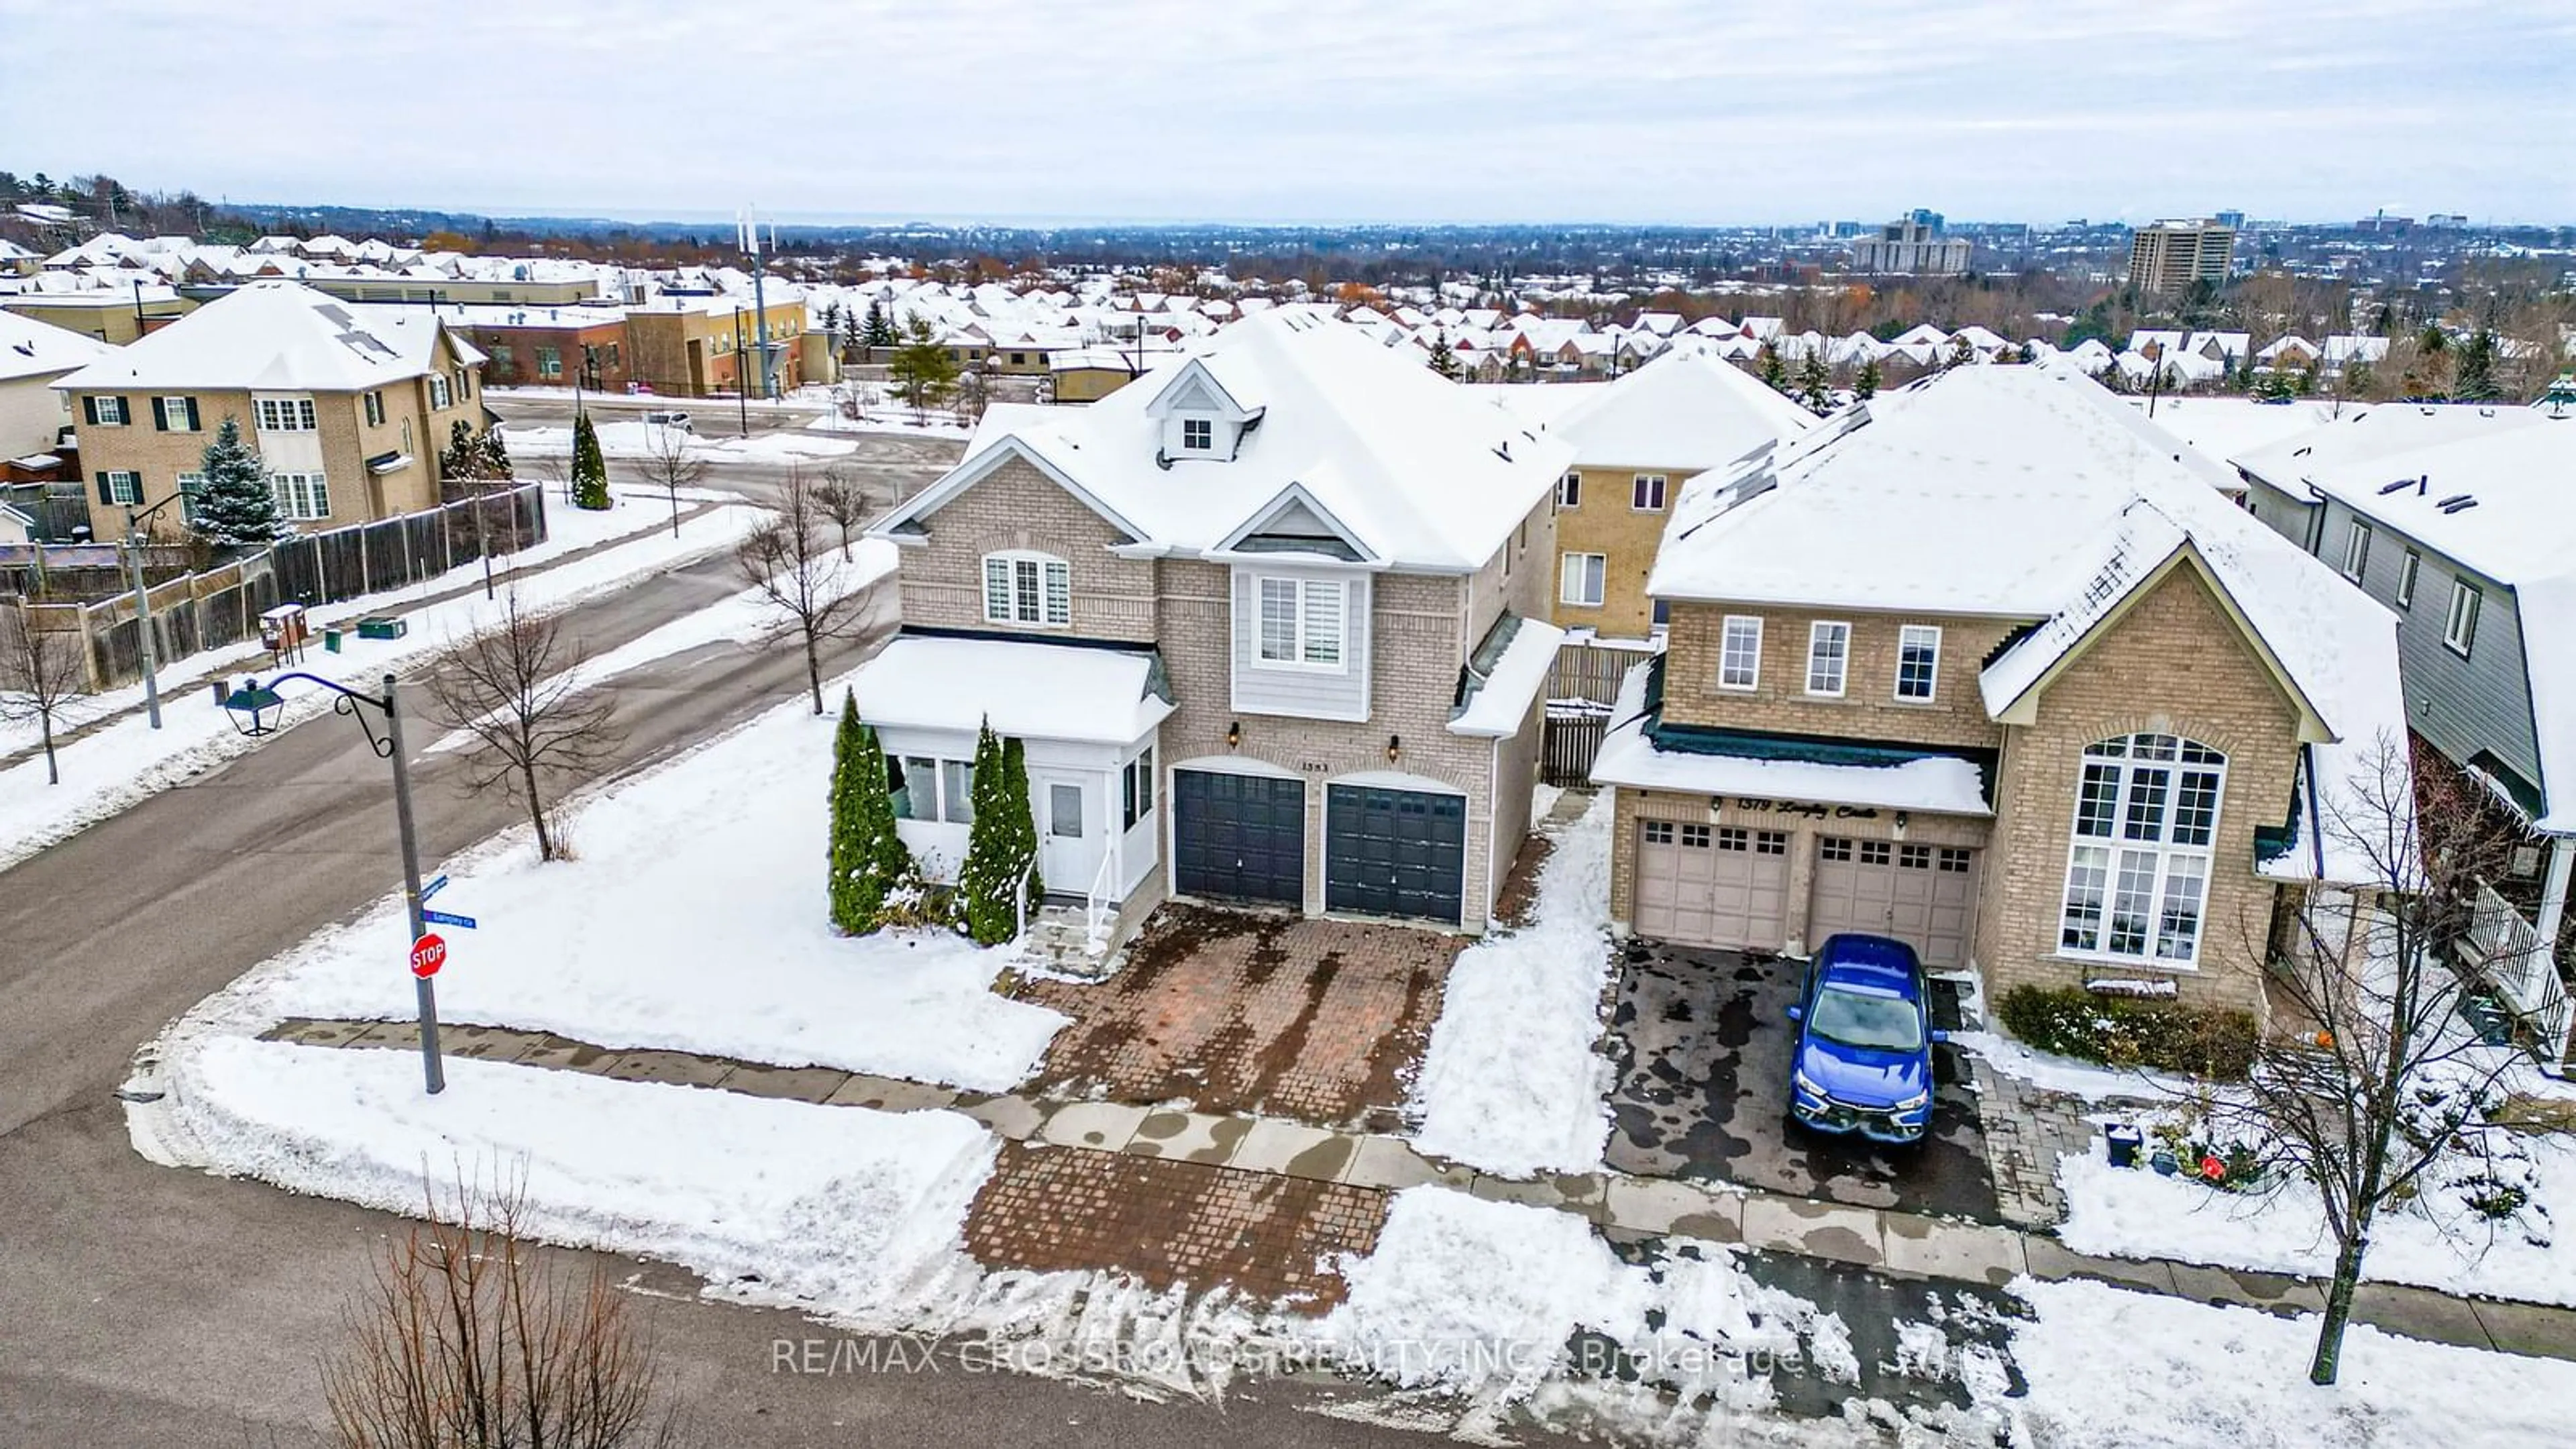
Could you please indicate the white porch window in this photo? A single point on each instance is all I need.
(2137, 874)
(928, 788)
(1021, 587)
(1136, 789)
(1300, 623)
(2356, 550)
(2460, 626)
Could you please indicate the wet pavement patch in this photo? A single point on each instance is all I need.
(1240, 1012)
(1702, 1040)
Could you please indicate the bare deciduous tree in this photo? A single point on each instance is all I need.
(2375, 1083)
(40, 673)
(465, 1341)
(791, 561)
(844, 502)
(515, 689)
(671, 463)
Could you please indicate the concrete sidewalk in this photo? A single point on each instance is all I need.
(1884, 1240)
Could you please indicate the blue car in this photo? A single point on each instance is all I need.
(1862, 1062)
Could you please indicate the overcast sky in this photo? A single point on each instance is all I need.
(1287, 110)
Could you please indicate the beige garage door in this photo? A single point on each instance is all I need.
(1923, 895)
(1712, 885)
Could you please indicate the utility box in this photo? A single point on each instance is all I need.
(284, 630)
(381, 627)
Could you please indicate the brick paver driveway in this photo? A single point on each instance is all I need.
(1232, 1011)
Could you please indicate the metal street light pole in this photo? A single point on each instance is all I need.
(143, 604)
(257, 701)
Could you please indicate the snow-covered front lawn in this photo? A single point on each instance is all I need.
(2135, 1213)
(125, 761)
(1513, 1081)
(2112, 1368)
(839, 1206)
(693, 920)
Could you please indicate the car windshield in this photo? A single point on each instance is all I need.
(1877, 1023)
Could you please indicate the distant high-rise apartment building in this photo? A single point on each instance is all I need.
(2234, 219)
(2171, 255)
(1912, 246)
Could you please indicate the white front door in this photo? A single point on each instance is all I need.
(1072, 826)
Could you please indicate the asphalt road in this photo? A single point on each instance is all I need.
(890, 465)
(142, 1305)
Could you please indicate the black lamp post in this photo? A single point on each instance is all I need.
(255, 708)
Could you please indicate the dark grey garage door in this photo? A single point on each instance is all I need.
(1239, 837)
(1394, 852)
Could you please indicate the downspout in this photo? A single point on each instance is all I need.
(2316, 815)
(1493, 818)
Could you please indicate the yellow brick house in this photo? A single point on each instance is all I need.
(1636, 442)
(347, 404)
(1979, 665)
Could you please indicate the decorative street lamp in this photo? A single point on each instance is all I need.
(255, 708)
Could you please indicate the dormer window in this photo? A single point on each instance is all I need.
(1198, 435)
(1022, 587)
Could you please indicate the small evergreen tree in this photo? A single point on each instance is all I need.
(922, 371)
(879, 330)
(235, 508)
(1816, 384)
(1444, 358)
(1865, 386)
(462, 458)
(868, 857)
(1962, 352)
(1000, 844)
(496, 455)
(2473, 376)
(589, 466)
(1773, 372)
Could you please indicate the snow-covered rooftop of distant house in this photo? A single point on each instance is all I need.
(1537, 404)
(2220, 428)
(281, 335)
(29, 348)
(1056, 691)
(1937, 784)
(520, 314)
(2029, 493)
(1685, 410)
(1414, 470)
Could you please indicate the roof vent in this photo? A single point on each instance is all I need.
(2387, 488)
(2460, 505)
(2453, 501)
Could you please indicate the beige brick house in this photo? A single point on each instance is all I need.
(1978, 665)
(1636, 441)
(1268, 622)
(347, 404)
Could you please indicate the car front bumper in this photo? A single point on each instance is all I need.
(1879, 1124)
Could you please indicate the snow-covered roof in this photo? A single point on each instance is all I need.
(1058, 691)
(1685, 410)
(1942, 784)
(2030, 493)
(29, 348)
(276, 335)
(1503, 697)
(2220, 428)
(1414, 470)
(2367, 435)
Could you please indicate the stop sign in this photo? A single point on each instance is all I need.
(428, 954)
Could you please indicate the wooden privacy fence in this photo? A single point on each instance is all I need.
(1580, 690)
(221, 606)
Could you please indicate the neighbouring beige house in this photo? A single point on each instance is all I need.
(1270, 621)
(348, 405)
(1636, 441)
(1980, 665)
(33, 355)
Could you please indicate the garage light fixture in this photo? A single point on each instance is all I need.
(1394, 747)
(1233, 733)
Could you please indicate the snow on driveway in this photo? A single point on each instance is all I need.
(1513, 1081)
(119, 764)
(840, 1206)
(694, 920)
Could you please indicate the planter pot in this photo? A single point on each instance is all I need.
(2125, 1140)
(2165, 1163)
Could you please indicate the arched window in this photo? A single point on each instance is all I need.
(1023, 587)
(2137, 874)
